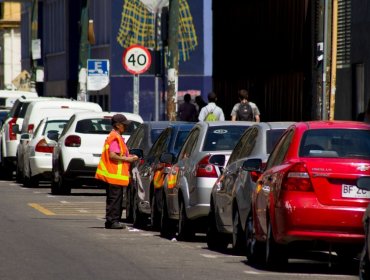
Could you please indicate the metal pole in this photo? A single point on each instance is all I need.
(334, 59)
(136, 87)
(327, 57)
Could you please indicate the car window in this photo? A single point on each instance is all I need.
(23, 110)
(138, 138)
(342, 143)
(160, 144)
(278, 154)
(131, 127)
(235, 155)
(14, 111)
(220, 138)
(180, 139)
(272, 136)
(189, 144)
(41, 123)
(94, 126)
(55, 125)
(154, 134)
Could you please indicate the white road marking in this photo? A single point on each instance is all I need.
(326, 276)
(64, 202)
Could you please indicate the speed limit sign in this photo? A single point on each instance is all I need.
(136, 59)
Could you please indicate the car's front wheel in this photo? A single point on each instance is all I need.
(168, 226)
(254, 248)
(185, 231)
(238, 234)
(215, 239)
(364, 265)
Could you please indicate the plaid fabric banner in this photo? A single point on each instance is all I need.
(137, 27)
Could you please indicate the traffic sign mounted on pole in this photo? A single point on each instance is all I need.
(136, 59)
(97, 74)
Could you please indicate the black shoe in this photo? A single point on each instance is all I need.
(115, 225)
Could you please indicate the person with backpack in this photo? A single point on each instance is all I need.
(245, 110)
(211, 112)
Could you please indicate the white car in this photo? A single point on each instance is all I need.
(36, 111)
(77, 153)
(37, 158)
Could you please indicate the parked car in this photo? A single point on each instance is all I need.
(307, 195)
(144, 193)
(77, 153)
(36, 111)
(231, 194)
(186, 192)
(363, 184)
(145, 135)
(38, 152)
(9, 139)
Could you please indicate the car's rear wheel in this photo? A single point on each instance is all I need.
(155, 217)
(364, 265)
(168, 226)
(238, 234)
(129, 209)
(275, 255)
(215, 239)
(18, 175)
(254, 248)
(60, 186)
(185, 232)
(138, 217)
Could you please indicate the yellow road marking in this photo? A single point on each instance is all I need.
(41, 209)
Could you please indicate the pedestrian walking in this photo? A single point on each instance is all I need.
(245, 110)
(187, 110)
(114, 170)
(200, 102)
(211, 112)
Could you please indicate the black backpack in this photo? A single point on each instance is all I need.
(245, 112)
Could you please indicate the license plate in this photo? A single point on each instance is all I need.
(350, 191)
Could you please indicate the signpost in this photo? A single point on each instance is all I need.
(136, 60)
(97, 74)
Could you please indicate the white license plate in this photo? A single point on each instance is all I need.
(351, 191)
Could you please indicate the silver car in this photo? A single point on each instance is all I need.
(231, 194)
(188, 187)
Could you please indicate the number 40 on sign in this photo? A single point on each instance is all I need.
(136, 59)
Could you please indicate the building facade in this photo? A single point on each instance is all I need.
(278, 64)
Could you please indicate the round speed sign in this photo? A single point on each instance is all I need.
(136, 59)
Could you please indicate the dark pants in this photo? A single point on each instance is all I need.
(113, 211)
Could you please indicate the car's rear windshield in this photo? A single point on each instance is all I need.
(272, 136)
(101, 126)
(338, 143)
(220, 138)
(154, 133)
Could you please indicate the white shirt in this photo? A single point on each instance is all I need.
(211, 107)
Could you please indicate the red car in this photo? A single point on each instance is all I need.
(307, 198)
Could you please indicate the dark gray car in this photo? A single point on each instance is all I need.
(231, 194)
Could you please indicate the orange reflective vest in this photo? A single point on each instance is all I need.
(172, 177)
(112, 171)
(158, 178)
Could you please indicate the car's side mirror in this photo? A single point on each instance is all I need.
(253, 165)
(53, 135)
(15, 129)
(138, 152)
(363, 183)
(218, 160)
(167, 158)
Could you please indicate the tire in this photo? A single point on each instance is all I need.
(18, 175)
(238, 241)
(60, 187)
(155, 218)
(168, 226)
(185, 232)
(275, 256)
(364, 273)
(215, 240)
(32, 182)
(254, 249)
(138, 217)
(129, 209)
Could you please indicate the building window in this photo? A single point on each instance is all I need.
(344, 34)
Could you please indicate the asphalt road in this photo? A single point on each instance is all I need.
(63, 237)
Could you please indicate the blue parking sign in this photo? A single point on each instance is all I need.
(97, 74)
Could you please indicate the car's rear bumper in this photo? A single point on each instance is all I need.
(78, 170)
(41, 165)
(302, 217)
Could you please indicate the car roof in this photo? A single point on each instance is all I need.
(89, 114)
(274, 125)
(333, 124)
(227, 123)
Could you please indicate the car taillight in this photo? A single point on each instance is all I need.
(206, 169)
(30, 128)
(43, 147)
(72, 141)
(12, 135)
(297, 179)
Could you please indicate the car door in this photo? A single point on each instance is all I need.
(269, 179)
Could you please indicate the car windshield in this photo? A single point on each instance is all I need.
(55, 126)
(222, 137)
(101, 126)
(342, 143)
